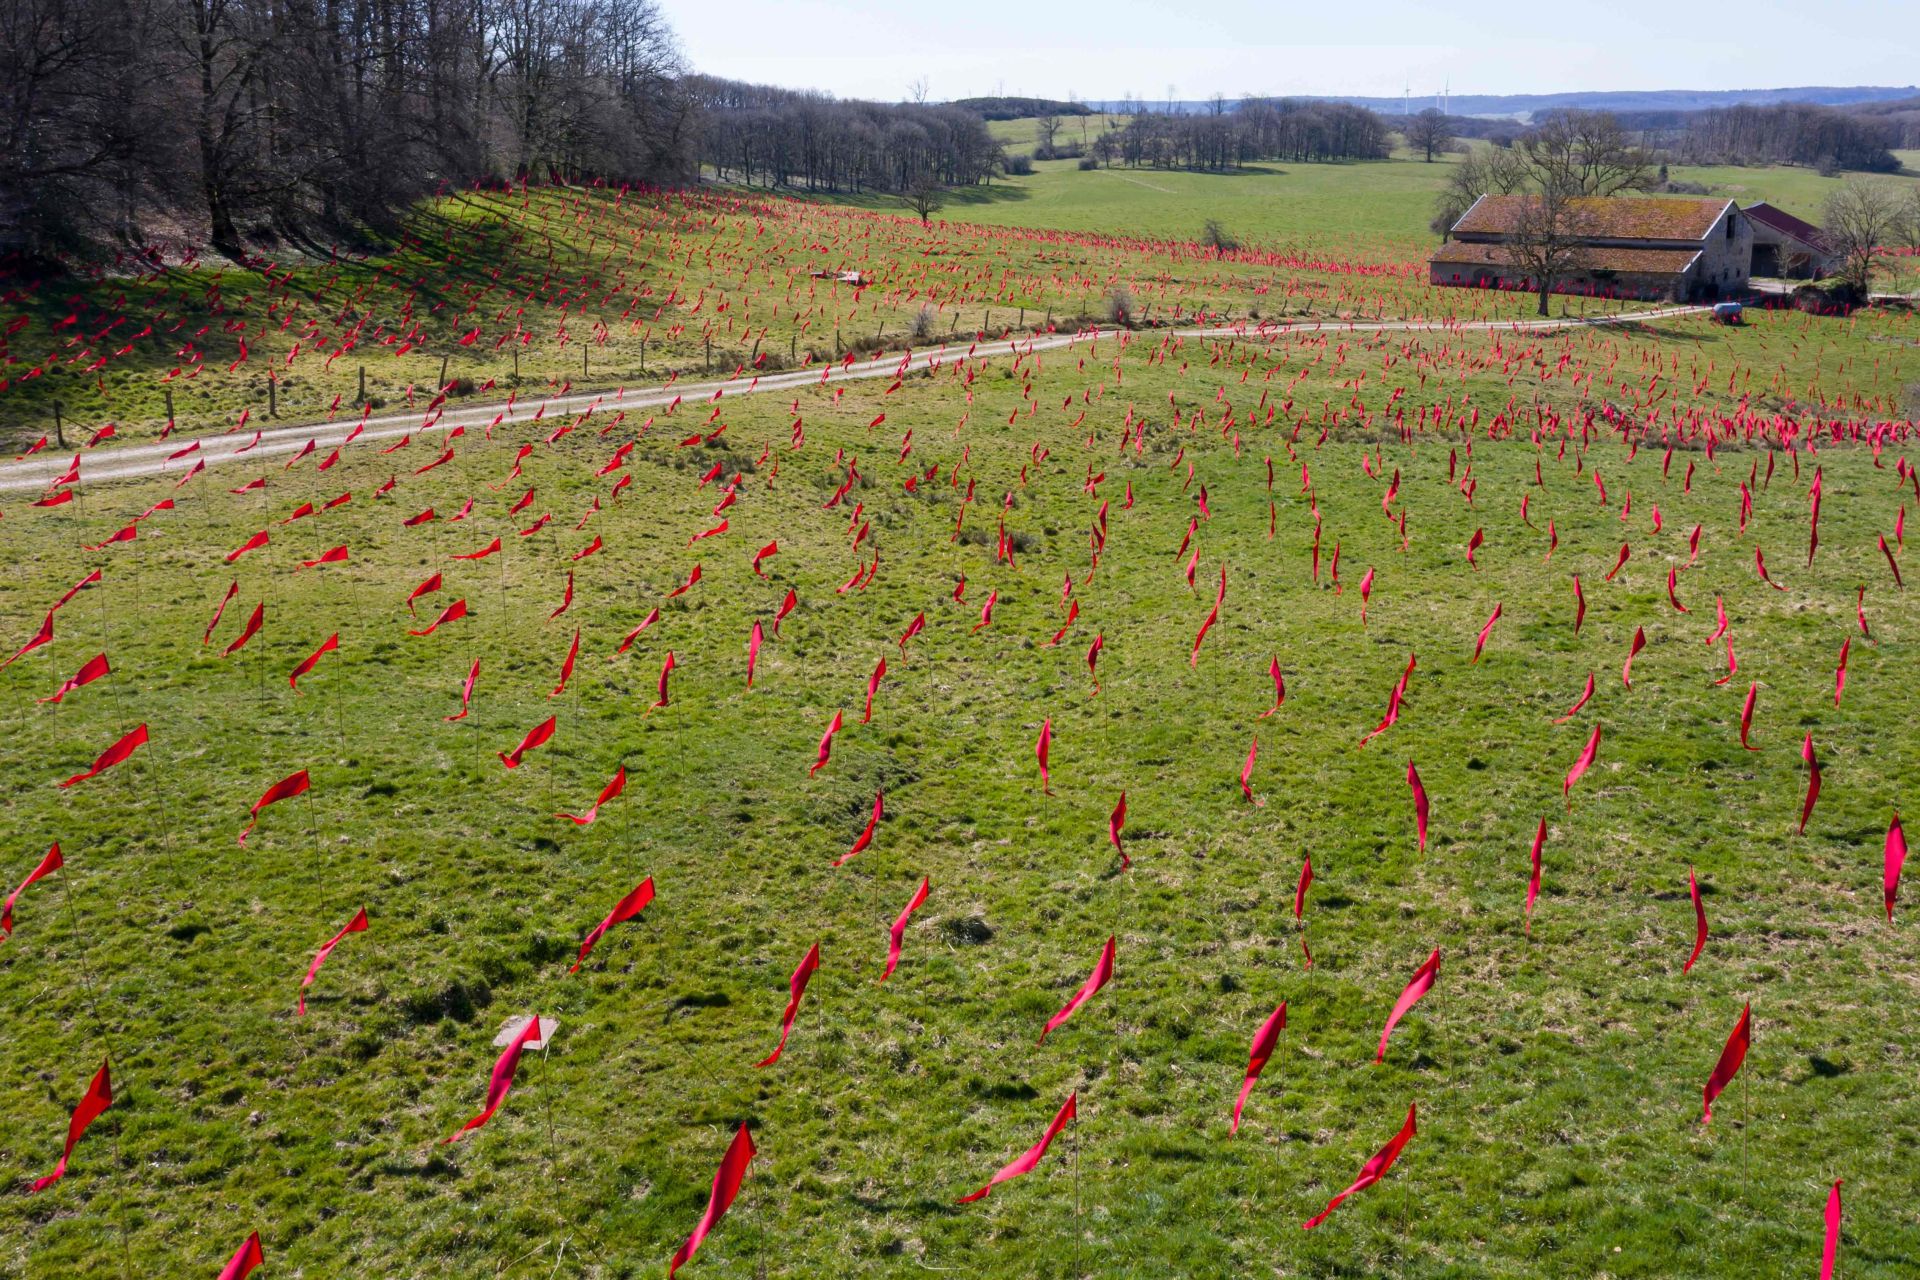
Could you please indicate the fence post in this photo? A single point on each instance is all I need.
(273, 396)
(59, 429)
(363, 385)
(169, 410)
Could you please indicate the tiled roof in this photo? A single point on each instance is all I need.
(1785, 223)
(1611, 218)
(1655, 261)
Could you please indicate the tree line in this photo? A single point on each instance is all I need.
(1255, 129)
(314, 121)
(1794, 133)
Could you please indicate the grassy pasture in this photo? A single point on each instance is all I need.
(1557, 1074)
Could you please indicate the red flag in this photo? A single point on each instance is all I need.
(797, 986)
(1760, 564)
(254, 543)
(914, 628)
(666, 669)
(1421, 983)
(1699, 922)
(536, 736)
(1581, 765)
(873, 685)
(717, 529)
(285, 789)
(1279, 688)
(1625, 551)
(1028, 1162)
(356, 925)
(625, 909)
(94, 577)
(1813, 780)
(726, 1185)
(1533, 876)
(95, 667)
(866, 835)
(98, 1098)
(1300, 890)
(1579, 605)
(566, 601)
(1419, 804)
(1840, 673)
(692, 578)
(1370, 1173)
(482, 553)
(45, 636)
(112, 756)
(899, 928)
(428, 587)
(1040, 750)
(1116, 821)
(337, 555)
(232, 591)
(1892, 564)
(986, 611)
(566, 666)
(1896, 858)
(327, 646)
(501, 1081)
(466, 693)
(1728, 1066)
(452, 613)
(1264, 1041)
(614, 787)
(1832, 1246)
(48, 865)
(127, 534)
(826, 745)
(258, 616)
(1574, 710)
(1102, 971)
(244, 1260)
(634, 634)
(753, 655)
(1485, 631)
(787, 606)
(1673, 599)
(1746, 715)
(764, 553)
(1639, 643)
(1246, 772)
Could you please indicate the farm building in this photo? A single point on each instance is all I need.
(1630, 247)
(1784, 246)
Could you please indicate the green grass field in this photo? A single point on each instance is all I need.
(1557, 1072)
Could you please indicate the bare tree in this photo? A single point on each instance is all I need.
(1429, 132)
(1548, 239)
(924, 195)
(1859, 218)
(1489, 171)
(1048, 127)
(917, 91)
(1218, 238)
(1585, 153)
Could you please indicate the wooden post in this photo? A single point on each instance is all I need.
(793, 349)
(443, 373)
(643, 355)
(59, 428)
(1023, 318)
(516, 364)
(169, 409)
(709, 355)
(583, 361)
(273, 396)
(363, 386)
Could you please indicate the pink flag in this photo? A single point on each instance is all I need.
(1699, 922)
(1533, 877)
(625, 909)
(536, 737)
(356, 925)
(1581, 765)
(1370, 1173)
(1813, 780)
(1116, 822)
(1574, 710)
(1832, 1246)
(49, 864)
(244, 1260)
(608, 792)
(1895, 860)
(1639, 643)
(899, 929)
(1040, 749)
(826, 745)
(113, 755)
(866, 836)
(1028, 1162)
(1485, 631)
(99, 1097)
(1279, 688)
(726, 1185)
(1264, 1041)
(1421, 983)
(797, 986)
(1746, 715)
(466, 693)
(873, 685)
(753, 651)
(501, 1081)
(1102, 971)
(1419, 804)
(1728, 1066)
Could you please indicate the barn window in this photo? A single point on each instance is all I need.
(1729, 226)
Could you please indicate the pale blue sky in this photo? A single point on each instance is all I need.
(1104, 49)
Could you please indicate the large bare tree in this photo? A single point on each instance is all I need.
(1429, 132)
(1860, 217)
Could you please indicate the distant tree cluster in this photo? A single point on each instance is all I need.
(1253, 130)
(761, 135)
(1020, 108)
(1789, 133)
(257, 120)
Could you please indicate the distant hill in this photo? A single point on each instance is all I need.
(1520, 106)
(1021, 108)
